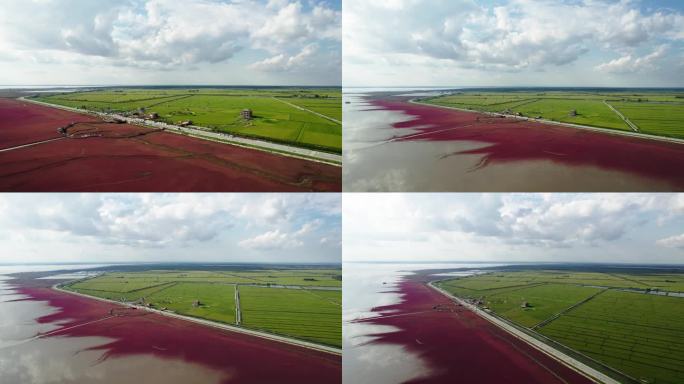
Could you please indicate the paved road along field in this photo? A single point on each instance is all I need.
(133, 332)
(391, 144)
(460, 346)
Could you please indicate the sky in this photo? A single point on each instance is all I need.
(152, 42)
(612, 43)
(101, 228)
(608, 228)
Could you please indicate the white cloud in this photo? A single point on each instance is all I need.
(676, 241)
(281, 62)
(129, 226)
(169, 34)
(271, 240)
(465, 37)
(517, 227)
(276, 239)
(630, 63)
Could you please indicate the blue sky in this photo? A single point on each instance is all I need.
(238, 227)
(514, 43)
(609, 228)
(233, 42)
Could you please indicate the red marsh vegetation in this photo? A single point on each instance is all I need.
(120, 158)
(512, 140)
(241, 358)
(458, 345)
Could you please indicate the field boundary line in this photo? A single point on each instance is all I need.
(172, 284)
(213, 324)
(238, 313)
(552, 352)
(31, 144)
(513, 287)
(624, 118)
(308, 110)
(566, 310)
(616, 132)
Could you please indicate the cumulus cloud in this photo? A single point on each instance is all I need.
(282, 62)
(525, 226)
(508, 37)
(171, 221)
(167, 34)
(271, 240)
(281, 240)
(676, 241)
(630, 63)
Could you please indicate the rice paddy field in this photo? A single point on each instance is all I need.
(653, 113)
(630, 322)
(299, 303)
(302, 117)
(313, 315)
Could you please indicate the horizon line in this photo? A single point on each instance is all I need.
(516, 86)
(169, 85)
(515, 262)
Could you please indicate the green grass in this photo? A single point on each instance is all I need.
(665, 119)
(544, 301)
(641, 335)
(279, 301)
(310, 315)
(637, 333)
(654, 113)
(219, 110)
(217, 301)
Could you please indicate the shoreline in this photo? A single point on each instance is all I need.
(211, 324)
(557, 355)
(608, 131)
(200, 133)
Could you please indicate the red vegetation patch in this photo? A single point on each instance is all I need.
(122, 158)
(515, 140)
(458, 345)
(24, 123)
(245, 359)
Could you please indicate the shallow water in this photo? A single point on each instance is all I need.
(28, 359)
(48, 336)
(368, 286)
(380, 157)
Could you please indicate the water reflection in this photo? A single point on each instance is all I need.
(27, 357)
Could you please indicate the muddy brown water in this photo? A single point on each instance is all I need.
(28, 360)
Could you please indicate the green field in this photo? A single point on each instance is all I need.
(275, 113)
(652, 112)
(300, 303)
(306, 314)
(610, 317)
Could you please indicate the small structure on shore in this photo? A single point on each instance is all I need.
(196, 303)
(185, 123)
(573, 113)
(525, 304)
(153, 116)
(246, 114)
